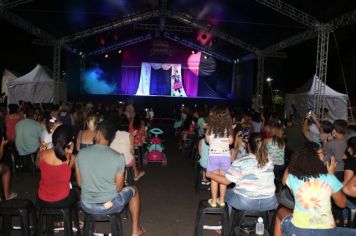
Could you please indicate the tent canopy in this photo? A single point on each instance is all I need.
(303, 99)
(36, 86)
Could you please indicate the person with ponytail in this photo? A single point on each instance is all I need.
(86, 137)
(55, 165)
(253, 178)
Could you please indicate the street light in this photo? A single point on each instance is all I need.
(269, 80)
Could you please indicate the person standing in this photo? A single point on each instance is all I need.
(219, 137)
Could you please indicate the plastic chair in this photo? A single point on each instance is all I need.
(114, 219)
(22, 208)
(203, 209)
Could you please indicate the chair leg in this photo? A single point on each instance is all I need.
(86, 225)
(25, 223)
(6, 225)
(199, 224)
(67, 218)
(116, 228)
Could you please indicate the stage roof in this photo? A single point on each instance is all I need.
(246, 20)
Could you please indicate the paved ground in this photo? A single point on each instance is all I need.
(169, 203)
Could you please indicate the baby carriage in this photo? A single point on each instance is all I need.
(155, 149)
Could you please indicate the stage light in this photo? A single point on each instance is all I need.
(205, 57)
(106, 55)
(269, 80)
(119, 51)
(102, 41)
(193, 52)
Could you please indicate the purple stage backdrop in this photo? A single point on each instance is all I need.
(120, 73)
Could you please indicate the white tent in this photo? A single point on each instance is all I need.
(36, 86)
(303, 99)
(6, 77)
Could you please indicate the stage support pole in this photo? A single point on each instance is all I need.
(57, 49)
(321, 69)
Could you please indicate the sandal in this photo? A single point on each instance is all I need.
(143, 231)
(142, 173)
(221, 204)
(211, 204)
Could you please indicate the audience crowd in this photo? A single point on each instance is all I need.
(252, 160)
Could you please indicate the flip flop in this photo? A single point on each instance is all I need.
(11, 196)
(211, 204)
(142, 233)
(140, 175)
(221, 204)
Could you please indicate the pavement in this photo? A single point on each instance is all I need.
(168, 200)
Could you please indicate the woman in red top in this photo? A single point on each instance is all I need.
(56, 165)
(11, 120)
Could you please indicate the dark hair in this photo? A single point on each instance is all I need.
(305, 162)
(340, 126)
(124, 124)
(137, 122)
(326, 126)
(277, 135)
(219, 122)
(107, 130)
(351, 143)
(259, 148)
(29, 112)
(13, 108)
(61, 138)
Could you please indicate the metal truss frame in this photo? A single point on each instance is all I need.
(112, 25)
(290, 11)
(9, 4)
(158, 27)
(205, 50)
(260, 76)
(120, 45)
(234, 77)
(57, 51)
(192, 21)
(321, 71)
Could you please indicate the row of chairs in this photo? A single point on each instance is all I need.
(31, 224)
(237, 224)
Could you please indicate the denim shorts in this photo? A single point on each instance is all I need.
(116, 206)
(289, 229)
(218, 163)
(240, 202)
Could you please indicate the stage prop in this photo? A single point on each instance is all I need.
(176, 84)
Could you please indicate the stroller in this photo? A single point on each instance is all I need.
(155, 149)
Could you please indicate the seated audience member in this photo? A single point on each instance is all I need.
(253, 177)
(86, 137)
(100, 173)
(203, 149)
(239, 148)
(55, 166)
(123, 143)
(28, 134)
(5, 173)
(64, 115)
(349, 173)
(326, 132)
(46, 136)
(11, 120)
(312, 184)
(337, 147)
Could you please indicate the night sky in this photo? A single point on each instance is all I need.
(244, 19)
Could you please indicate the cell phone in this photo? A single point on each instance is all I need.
(309, 113)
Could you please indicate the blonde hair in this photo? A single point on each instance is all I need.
(92, 122)
(277, 135)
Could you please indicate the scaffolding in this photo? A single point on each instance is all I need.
(57, 51)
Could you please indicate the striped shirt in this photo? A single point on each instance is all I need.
(250, 181)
